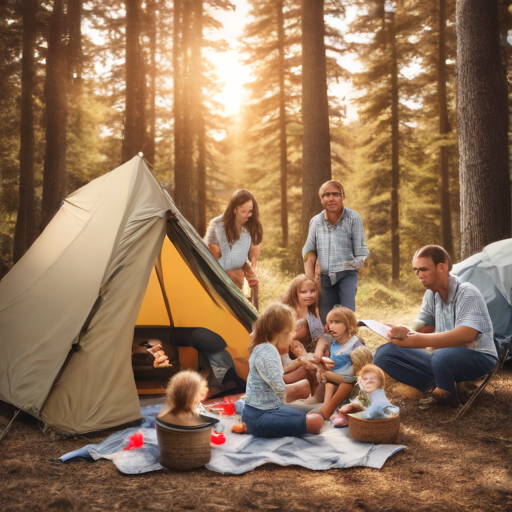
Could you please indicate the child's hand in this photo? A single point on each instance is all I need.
(306, 363)
(327, 363)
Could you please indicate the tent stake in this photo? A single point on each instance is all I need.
(4, 433)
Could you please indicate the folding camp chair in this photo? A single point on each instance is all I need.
(503, 348)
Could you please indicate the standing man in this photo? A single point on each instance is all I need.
(453, 320)
(336, 238)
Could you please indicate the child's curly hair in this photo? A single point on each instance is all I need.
(361, 357)
(345, 316)
(185, 390)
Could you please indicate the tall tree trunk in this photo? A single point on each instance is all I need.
(444, 174)
(395, 164)
(282, 124)
(482, 121)
(75, 59)
(316, 146)
(180, 180)
(188, 207)
(197, 76)
(55, 175)
(134, 125)
(152, 35)
(26, 229)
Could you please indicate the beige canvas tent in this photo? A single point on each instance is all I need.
(117, 253)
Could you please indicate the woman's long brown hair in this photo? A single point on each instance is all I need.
(253, 225)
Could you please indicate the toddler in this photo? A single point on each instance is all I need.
(184, 393)
(372, 381)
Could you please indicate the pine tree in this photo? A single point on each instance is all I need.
(134, 127)
(56, 89)
(26, 229)
(391, 149)
(316, 148)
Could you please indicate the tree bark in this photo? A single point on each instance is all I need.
(152, 36)
(134, 124)
(316, 146)
(444, 128)
(196, 87)
(395, 163)
(55, 174)
(26, 228)
(180, 181)
(188, 208)
(282, 124)
(482, 121)
(75, 61)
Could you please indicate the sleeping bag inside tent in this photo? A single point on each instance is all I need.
(116, 266)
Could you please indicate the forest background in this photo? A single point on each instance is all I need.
(86, 85)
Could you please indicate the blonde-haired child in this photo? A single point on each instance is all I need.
(372, 381)
(342, 324)
(184, 393)
(264, 411)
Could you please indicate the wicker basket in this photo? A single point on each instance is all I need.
(374, 431)
(184, 447)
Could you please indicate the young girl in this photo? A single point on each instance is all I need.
(302, 296)
(372, 381)
(264, 412)
(342, 325)
(184, 393)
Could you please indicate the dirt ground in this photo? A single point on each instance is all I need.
(452, 467)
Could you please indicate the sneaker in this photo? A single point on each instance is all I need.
(427, 402)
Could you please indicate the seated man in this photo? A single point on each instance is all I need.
(454, 321)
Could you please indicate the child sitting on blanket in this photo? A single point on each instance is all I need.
(376, 404)
(343, 341)
(184, 393)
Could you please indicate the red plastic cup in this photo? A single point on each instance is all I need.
(217, 438)
(228, 409)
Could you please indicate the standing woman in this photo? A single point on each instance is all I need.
(234, 238)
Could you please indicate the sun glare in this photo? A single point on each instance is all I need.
(230, 69)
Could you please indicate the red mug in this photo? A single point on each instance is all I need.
(228, 409)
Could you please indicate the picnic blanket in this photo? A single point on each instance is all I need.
(332, 448)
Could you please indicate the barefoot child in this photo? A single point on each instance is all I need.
(183, 396)
(264, 412)
(342, 326)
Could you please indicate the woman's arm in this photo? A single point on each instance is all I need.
(254, 255)
(215, 250)
(461, 335)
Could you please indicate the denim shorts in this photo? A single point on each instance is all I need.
(281, 422)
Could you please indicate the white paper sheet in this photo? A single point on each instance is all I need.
(377, 327)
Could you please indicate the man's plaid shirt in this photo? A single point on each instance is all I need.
(339, 247)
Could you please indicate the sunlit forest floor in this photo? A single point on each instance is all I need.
(450, 467)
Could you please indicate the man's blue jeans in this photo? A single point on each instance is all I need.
(343, 292)
(443, 369)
